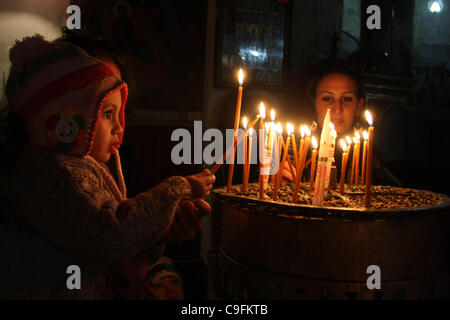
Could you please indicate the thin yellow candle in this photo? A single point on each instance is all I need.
(349, 150)
(244, 167)
(343, 165)
(279, 129)
(236, 124)
(313, 163)
(301, 165)
(352, 176)
(262, 115)
(358, 146)
(294, 147)
(268, 149)
(270, 137)
(280, 172)
(369, 160)
(363, 167)
(301, 146)
(249, 155)
(304, 152)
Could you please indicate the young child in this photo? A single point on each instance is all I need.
(164, 281)
(61, 205)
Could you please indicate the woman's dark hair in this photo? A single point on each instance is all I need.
(331, 67)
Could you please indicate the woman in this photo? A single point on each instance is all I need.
(340, 89)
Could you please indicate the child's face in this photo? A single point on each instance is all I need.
(109, 129)
(167, 288)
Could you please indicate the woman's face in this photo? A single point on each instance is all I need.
(338, 92)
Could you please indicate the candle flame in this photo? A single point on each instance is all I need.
(369, 117)
(334, 133)
(343, 145)
(357, 135)
(308, 132)
(250, 131)
(355, 141)
(314, 143)
(279, 128)
(331, 125)
(349, 140)
(290, 128)
(302, 131)
(262, 110)
(272, 115)
(365, 135)
(244, 122)
(241, 77)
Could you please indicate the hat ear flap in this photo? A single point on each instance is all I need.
(80, 121)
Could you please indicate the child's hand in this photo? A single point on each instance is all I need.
(187, 221)
(201, 184)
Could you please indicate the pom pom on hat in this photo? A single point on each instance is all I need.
(28, 49)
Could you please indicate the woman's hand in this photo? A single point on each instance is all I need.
(287, 173)
(201, 184)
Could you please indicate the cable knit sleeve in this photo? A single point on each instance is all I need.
(69, 205)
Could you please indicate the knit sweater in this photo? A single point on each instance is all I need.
(62, 210)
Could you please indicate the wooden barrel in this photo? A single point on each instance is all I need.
(271, 250)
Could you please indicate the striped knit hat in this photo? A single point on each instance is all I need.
(58, 93)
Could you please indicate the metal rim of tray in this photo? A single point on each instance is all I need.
(271, 207)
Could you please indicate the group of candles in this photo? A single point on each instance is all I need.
(366, 168)
(270, 131)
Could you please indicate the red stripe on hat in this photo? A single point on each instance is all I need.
(70, 82)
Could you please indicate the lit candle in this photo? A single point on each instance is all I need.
(357, 148)
(249, 155)
(333, 135)
(369, 160)
(313, 163)
(352, 176)
(236, 124)
(349, 143)
(262, 115)
(301, 146)
(301, 165)
(294, 148)
(290, 128)
(363, 167)
(343, 165)
(244, 167)
(279, 129)
(268, 147)
(332, 144)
